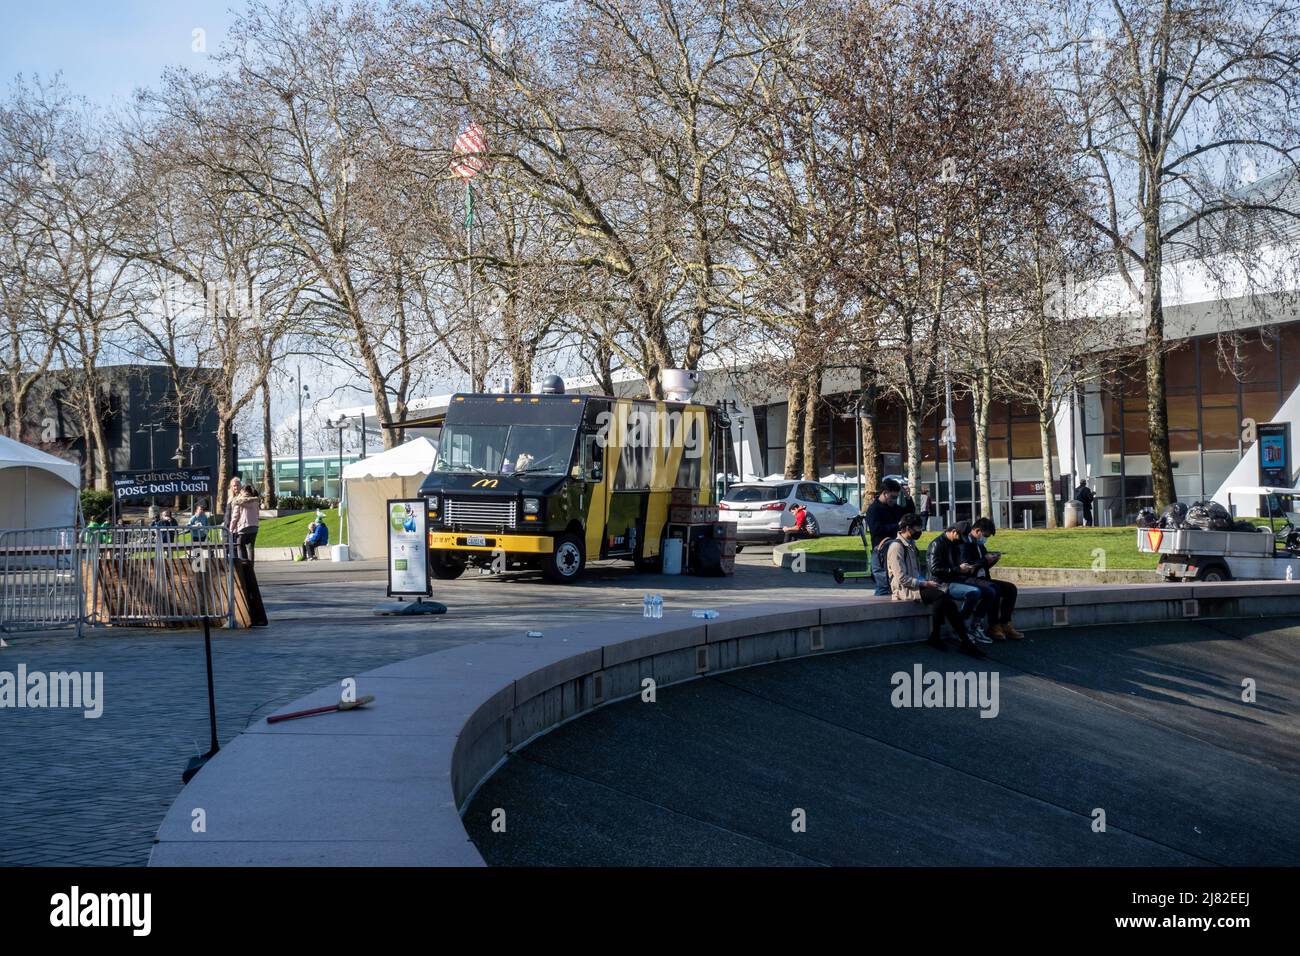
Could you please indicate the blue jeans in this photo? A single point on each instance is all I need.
(971, 601)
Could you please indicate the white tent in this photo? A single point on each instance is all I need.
(367, 486)
(37, 490)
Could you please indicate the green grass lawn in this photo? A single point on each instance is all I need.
(1040, 548)
(288, 531)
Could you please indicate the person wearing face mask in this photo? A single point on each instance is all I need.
(977, 562)
(907, 584)
(882, 521)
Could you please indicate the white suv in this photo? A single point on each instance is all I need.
(761, 510)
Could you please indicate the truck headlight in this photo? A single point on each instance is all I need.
(532, 506)
(432, 502)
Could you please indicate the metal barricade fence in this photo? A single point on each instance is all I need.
(158, 575)
(40, 580)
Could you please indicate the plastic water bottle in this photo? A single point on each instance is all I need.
(1289, 575)
(647, 606)
(707, 615)
(659, 605)
(533, 634)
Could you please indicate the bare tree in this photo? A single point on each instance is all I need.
(1174, 102)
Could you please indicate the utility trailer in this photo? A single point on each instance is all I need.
(1193, 554)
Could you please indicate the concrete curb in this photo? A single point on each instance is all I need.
(385, 785)
(1020, 577)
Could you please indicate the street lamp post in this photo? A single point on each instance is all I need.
(302, 392)
(152, 428)
(341, 424)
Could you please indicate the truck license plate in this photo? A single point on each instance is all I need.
(476, 541)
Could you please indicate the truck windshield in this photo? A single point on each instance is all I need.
(505, 449)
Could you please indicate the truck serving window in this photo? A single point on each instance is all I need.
(505, 449)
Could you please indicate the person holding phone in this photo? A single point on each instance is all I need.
(976, 563)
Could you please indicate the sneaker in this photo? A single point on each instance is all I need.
(979, 637)
(969, 648)
(997, 633)
(1010, 631)
(935, 640)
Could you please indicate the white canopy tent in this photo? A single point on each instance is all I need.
(367, 486)
(37, 490)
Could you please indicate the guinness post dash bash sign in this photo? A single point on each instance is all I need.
(161, 483)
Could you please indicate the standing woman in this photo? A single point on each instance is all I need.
(244, 518)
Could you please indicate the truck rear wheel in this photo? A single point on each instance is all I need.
(445, 566)
(1214, 572)
(566, 560)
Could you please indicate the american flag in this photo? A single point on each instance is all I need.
(470, 146)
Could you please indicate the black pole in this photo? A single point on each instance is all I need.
(196, 763)
(212, 695)
(857, 441)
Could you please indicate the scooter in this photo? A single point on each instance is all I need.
(840, 575)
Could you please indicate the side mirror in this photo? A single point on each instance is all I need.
(844, 501)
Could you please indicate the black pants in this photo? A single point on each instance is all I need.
(309, 551)
(944, 609)
(244, 543)
(1005, 605)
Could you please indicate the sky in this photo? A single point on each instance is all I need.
(107, 48)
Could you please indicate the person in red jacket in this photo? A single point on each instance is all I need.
(805, 525)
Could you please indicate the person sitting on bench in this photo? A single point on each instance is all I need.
(317, 535)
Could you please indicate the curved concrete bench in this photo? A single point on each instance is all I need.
(385, 785)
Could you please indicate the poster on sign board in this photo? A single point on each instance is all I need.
(408, 554)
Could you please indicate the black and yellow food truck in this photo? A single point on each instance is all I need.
(552, 480)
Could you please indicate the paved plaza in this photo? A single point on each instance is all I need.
(92, 792)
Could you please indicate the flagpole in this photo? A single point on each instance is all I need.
(469, 267)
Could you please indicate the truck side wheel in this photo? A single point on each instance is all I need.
(444, 566)
(566, 560)
(1215, 572)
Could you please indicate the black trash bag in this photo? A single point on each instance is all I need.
(1247, 526)
(1174, 516)
(1147, 518)
(1209, 516)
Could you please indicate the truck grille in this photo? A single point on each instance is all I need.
(486, 512)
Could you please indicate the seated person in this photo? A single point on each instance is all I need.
(519, 464)
(317, 535)
(805, 525)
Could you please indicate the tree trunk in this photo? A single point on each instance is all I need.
(223, 466)
(913, 451)
(1049, 480)
(1162, 473)
(268, 460)
(870, 443)
(97, 431)
(982, 403)
(812, 398)
(794, 429)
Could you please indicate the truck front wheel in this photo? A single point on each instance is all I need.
(566, 560)
(444, 566)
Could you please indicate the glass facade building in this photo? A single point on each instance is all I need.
(1208, 395)
(321, 474)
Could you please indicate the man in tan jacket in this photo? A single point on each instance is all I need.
(907, 584)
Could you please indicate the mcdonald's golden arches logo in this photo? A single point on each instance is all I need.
(485, 483)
